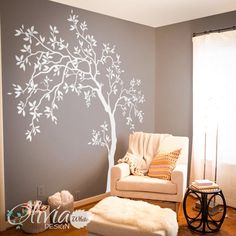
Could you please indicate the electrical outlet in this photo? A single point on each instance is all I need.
(77, 195)
(41, 190)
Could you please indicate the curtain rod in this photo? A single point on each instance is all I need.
(214, 31)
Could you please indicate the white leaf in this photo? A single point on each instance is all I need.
(17, 58)
(17, 33)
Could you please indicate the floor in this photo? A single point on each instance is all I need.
(228, 228)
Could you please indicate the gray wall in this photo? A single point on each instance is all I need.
(174, 72)
(60, 157)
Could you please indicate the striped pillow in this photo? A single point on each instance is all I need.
(163, 164)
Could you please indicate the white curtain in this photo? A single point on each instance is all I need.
(214, 110)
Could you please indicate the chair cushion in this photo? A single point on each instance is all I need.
(163, 164)
(146, 184)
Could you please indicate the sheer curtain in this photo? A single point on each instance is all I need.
(214, 110)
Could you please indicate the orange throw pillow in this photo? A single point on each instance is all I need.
(163, 164)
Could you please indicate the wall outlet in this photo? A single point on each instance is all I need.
(41, 190)
(77, 195)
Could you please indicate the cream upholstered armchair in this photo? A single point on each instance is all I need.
(123, 184)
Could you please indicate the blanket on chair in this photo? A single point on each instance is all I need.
(142, 148)
(145, 216)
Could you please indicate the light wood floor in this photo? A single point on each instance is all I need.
(228, 228)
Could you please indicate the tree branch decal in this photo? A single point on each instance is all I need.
(56, 68)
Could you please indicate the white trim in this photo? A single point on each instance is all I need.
(91, 200)
(2, 183)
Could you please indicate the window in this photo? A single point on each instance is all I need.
(214, 109)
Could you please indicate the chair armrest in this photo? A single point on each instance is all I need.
(179, 177)
(120, 170)
(179, 173)
(117, 172)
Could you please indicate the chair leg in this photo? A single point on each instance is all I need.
(177, 205)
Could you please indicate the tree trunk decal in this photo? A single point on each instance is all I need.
(57, 68)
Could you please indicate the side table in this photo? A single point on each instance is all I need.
(204, 221)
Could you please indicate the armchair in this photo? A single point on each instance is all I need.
(123, 184)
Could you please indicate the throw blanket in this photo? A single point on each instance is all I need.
(142, 148)
(140, 214)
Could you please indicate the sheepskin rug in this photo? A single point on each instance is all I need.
(140, 214)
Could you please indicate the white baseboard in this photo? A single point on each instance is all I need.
(90, 200)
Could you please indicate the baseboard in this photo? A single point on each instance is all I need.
(91, 200)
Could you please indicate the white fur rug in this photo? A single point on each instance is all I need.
(143, 215)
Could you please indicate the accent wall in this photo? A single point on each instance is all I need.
(59, 137)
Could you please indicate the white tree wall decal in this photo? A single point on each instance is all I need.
(56, 69)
